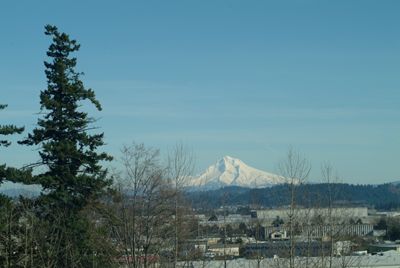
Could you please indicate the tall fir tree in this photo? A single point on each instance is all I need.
(73, 174)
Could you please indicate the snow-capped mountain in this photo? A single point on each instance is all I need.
(230, 171)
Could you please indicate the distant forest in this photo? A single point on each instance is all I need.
(381, 197)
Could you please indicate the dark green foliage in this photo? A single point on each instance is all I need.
(73, 175)
(277, 222)
(7, 172)
(242, 228)
(391, 225)
(15, 175)
(67, 149)
(381, 225)
(10, 214)
(393, 229)
(384, 196)
(8, 130)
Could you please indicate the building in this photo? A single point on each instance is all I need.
(320, 231)
(306, 214)
(270, 249)
(227, 250)
(278, 235)
(384, 247)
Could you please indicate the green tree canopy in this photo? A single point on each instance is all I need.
(68, 150)
(8, 130)
(7, 172)
(71, 172)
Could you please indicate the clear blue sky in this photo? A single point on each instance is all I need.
(239, 78)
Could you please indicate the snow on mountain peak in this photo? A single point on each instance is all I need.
(232, 171)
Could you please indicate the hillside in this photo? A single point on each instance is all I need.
(384, 196)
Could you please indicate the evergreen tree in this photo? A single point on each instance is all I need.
(73, 174)
(9, 248)
(8, 130)
(5, 171)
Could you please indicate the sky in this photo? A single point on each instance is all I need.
(246, 79)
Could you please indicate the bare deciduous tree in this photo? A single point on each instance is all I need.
(144, 213)
(180, 168)
(295, 169)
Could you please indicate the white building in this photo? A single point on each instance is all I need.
(268, 215)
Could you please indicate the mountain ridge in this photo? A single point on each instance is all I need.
(382, 196)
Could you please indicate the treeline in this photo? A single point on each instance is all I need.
(85, 215)
(383, 196)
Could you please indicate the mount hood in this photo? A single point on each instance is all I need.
(230, 171)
